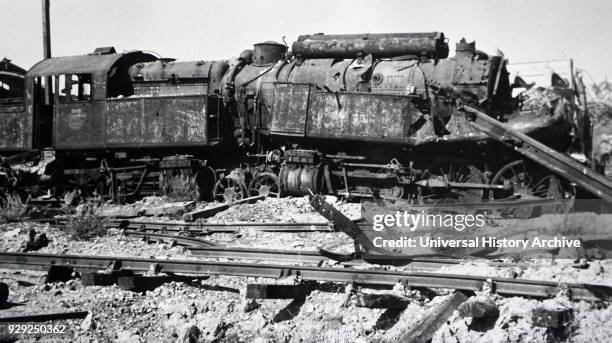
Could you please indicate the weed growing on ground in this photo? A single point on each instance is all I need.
(180, 188)
(12, 208)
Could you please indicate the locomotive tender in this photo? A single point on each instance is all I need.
(351, 115)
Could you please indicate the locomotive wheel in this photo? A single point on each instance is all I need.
(452, 171)
(229, 189)
(527, 185)
(265, 184)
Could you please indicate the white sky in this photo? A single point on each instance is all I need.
(198, 29)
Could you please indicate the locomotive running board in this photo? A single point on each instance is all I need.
(561, 164)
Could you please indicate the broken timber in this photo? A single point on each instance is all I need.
(260, 291)
(425, 330)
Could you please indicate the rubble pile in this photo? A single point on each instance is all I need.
(216, 308)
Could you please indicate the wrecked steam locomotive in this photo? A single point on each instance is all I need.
(352, 115)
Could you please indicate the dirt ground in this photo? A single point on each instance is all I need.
(214, 308)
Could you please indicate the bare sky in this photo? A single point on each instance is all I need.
(197, 29)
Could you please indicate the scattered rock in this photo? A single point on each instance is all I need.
(479, 308)
(125, 336)
(211, 326)
(554, 318)
(88, 323)
(180, 308)
(249, 305)
(35, 242)
(190, 334)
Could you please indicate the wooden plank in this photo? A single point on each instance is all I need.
(425, 330)
(263, 291)
(211, 211)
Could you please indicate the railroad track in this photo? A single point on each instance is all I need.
(308, 256)
(365, 277)
(187, 241)
(207, 249)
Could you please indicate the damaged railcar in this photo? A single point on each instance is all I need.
(117, 119)
(366, 115)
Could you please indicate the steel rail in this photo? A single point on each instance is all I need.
(308, 256)
(182, 240)
(228, 252)
(502, 286)
(208, 228)
(491, 205)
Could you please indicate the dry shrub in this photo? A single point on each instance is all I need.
(180, 188)
(12, 208)
(86, 224)
(68, 201)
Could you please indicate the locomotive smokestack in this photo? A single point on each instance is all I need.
(46, 22)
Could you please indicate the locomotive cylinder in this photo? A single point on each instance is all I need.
(383, 45)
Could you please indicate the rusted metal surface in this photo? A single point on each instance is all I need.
(361, 116)
(290, 108)
(156, 121)
(15, 129)
(79, 125)
(300, 110)
(177, 78)
(379, 45)
(15, 125)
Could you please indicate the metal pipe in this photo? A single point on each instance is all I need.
(385, 45)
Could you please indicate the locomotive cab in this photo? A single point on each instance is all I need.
(80, 87)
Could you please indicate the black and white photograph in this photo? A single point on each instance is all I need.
(323, 171)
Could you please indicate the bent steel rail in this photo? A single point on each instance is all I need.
(559, 163)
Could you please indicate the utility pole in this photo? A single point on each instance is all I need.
(46, 23)
(46, 29)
